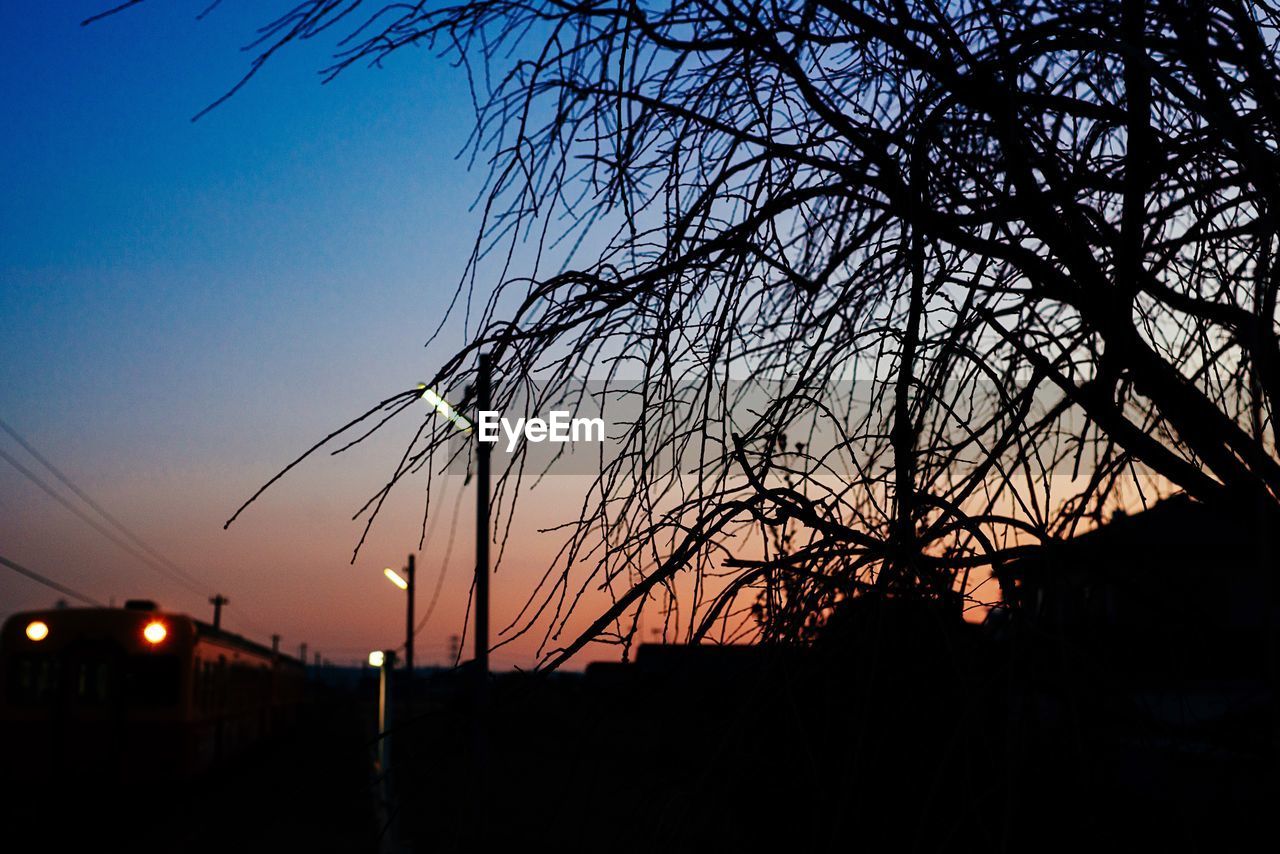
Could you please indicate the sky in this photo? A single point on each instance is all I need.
(187, 306)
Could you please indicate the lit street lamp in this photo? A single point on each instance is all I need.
(384, 660)
(445, 408)
(480, 714)
(481, 598)
(405, 584)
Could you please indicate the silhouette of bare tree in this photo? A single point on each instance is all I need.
(1040, 231)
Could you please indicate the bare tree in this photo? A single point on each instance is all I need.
(1039, 232)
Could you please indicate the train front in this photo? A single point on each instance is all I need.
(95, 693)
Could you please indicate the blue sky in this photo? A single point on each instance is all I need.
(295, 221)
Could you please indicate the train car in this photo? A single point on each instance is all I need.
(134, 693)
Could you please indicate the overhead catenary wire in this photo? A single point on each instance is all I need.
(98, 508)
(149, 561)
(48, 582)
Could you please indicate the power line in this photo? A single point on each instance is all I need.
(80, 493)
(47, 582)
(84, 517)
(444, 566)
(136, 548)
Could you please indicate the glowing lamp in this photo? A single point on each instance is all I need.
(37, 630)
(155, 632)
(377, 658)
(395, 578)
(445, 408)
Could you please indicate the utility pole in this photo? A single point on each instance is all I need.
(275, 644)
(217, 602)
(482, 533)
(480, 710)
(302, 654)
(408, 625)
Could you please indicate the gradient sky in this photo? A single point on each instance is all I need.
(186, 306)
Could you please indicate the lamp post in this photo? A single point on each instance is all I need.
(384, 660)
(405, 583)
(480, 695)
(444, 408)
(482, 541)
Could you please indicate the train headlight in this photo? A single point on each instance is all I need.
(155, 632)
(37, 630)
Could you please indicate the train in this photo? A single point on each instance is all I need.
(135, 693)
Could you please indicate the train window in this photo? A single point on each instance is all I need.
(152, 680)
(91, 682)
(33, 679)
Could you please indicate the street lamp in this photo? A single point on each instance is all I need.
(445, 408)
(405, 584)
(481, 598)
(384, 660)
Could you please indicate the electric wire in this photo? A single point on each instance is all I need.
(131, 543)
(48, 582)
(98, 508)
